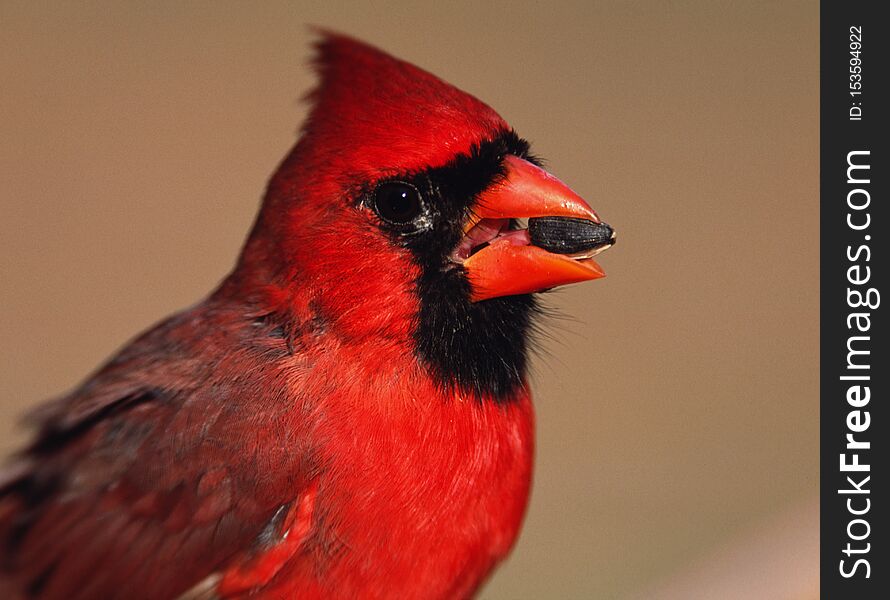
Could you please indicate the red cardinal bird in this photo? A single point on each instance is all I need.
(347, 415)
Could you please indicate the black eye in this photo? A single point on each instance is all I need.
(397, 202)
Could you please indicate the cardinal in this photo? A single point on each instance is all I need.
(348, 414)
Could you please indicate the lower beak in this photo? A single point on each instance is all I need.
(508, 263)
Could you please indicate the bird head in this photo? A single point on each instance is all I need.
(398, 215)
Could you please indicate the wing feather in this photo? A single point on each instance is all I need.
(160, 469)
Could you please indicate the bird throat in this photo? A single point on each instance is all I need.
(478, 349)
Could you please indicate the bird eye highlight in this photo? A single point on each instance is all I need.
(397, 202)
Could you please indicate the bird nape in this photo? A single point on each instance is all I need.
(347, 415)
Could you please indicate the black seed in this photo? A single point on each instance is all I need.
(568, 235)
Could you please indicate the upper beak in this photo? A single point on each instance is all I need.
(509, 264)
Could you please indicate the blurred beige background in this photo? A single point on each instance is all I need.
(678, 403)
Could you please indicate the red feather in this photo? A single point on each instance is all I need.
(280, 439)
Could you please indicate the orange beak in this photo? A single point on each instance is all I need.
(509, 264)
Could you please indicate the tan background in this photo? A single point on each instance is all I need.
(678, 404)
